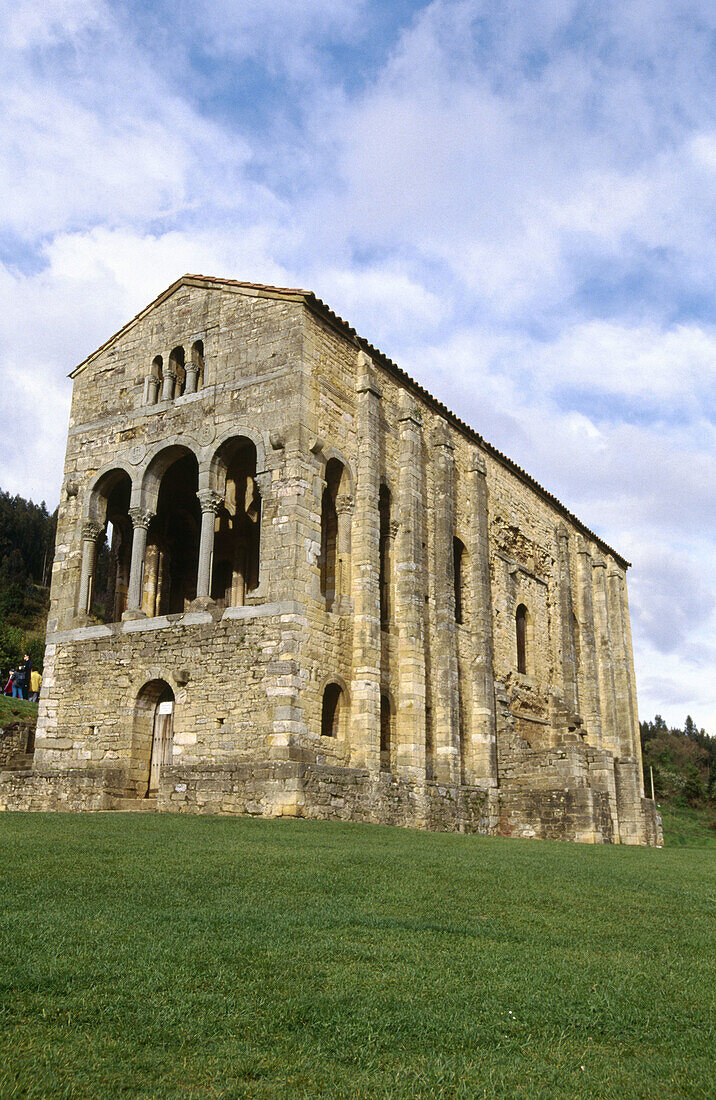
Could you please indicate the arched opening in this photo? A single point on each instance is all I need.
(387, 735)
(331, 710)
(521, 633)
(172, 555)
(107, 582)
(237, 532)
(152, 738)
(195, 367)
(155, 380)
(458, 558)
(330, 580)
(385, 556)
(176, 367)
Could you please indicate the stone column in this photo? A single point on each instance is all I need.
(566, 621)
(482, 759)
(168, 384)
(365, 686)
(344, 510)
(140, 524)
(192, 374)
(210, 502)
(587, 669)
(605, 663)
(152, 390)
(445, 661)
(90, 533)
(410, 598)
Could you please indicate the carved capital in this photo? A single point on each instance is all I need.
(599, 563)
(393, 528)
(209, 500)
(140, 517)
(344, 504)
(91, 531)
(562, 532)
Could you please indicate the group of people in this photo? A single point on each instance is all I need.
(24, 682)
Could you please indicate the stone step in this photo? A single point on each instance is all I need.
(134, 805)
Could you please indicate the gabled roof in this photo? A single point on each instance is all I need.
(259, 290)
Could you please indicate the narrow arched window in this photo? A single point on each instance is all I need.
(195, 367)
(521, 630)
(386, 734)
(176, 366)
(331, 711)
(155, 379)
(329, 532)
(384, 566)
(458, 556)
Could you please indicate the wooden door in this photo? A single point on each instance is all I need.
(161, 743)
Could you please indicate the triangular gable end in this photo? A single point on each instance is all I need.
(232, 286)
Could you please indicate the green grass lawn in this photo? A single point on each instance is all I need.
(16, 710)
(170, 956)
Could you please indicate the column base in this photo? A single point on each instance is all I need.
(133, 613)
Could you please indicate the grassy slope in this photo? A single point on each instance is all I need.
(16, 710)
(201, 957)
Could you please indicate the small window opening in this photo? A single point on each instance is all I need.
(521, 629)
(330, 715)
(458, 554)
(384, 565)
(386, 734)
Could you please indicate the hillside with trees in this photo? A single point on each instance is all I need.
(27, 544)
(683, 764)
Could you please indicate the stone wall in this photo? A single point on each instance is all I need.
(435, 540)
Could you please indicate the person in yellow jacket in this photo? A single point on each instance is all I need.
(35, 684)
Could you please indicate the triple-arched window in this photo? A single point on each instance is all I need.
(178, 376)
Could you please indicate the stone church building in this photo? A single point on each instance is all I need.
(288, 581)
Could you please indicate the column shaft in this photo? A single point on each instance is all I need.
(140, 524)
(90, 534)
(210, 502)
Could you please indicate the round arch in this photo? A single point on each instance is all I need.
(152, 735)
(161, 457)
(210, 464)
(100, 488)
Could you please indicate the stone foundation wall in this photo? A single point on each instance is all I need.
(17, 743)
(289, 789)
(69, 790)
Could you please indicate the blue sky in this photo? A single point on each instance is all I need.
(514, 200)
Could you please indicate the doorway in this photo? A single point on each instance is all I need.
(161, 743)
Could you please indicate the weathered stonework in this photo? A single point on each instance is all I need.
(325, 596)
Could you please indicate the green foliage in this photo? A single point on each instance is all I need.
(27, 541)
(170, 956)
(683, 761)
